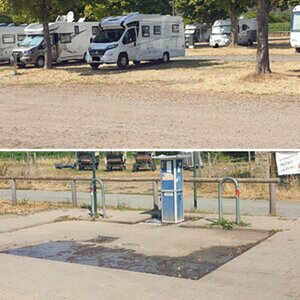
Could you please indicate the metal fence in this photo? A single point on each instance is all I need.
(155, 183)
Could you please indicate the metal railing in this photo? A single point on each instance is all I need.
(272, 182)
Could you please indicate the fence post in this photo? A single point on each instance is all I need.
(272, 195)
(74, 194)
(14, 192)
(155, 195)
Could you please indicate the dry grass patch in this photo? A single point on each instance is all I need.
(28, 207)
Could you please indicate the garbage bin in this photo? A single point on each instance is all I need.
(172, 189)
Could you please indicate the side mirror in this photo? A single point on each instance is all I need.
(91, 40)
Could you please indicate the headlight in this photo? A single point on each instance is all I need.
(113, 46)
(27, 52)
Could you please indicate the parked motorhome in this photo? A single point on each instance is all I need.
(69, 41)
(221, 32)
(199, 32)
(137, 37)
(295, 32)
(189, 159)
(10, 37)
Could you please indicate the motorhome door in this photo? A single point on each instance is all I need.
(54, 46)
(130, 43)
(243, 33)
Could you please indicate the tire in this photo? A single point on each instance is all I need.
(250, 43)
(40, 62)
(123, 61)
(153, 167)
(137, 62)
(166, 58)
(84, 57)
(95, 66)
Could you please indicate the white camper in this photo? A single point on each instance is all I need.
(221, 32)
(295, 32)
(69, 41)
(199, 32)
(10, 36)
(137, 37)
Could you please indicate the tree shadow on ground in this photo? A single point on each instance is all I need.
(85, 70)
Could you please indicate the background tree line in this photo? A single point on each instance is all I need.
(44, 11)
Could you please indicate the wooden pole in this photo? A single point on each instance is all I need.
(272, 193)
(74, 193)
(14, 192)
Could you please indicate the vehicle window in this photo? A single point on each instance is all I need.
(76, 29)
(245, 27)
(21, 37)
(296, 22)
(146, 31)
(175, 28)
(8, 38)
(32, 40)
(130, 37)
(52, 40)
(157, 30)
(65, 38)
(95, 30)
(108, 36)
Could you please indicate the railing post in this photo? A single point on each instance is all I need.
(74, 193)
(272, 195)
(155, 195)
(14, 192)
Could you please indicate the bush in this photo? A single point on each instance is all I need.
(280, 27)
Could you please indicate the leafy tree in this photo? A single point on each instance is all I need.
(263, 54)
(200, 10)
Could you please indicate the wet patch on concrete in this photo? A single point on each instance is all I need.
(193, 266)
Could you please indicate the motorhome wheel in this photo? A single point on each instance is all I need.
(250, 42)
(40, 62)
(166, 58)
(123, 60)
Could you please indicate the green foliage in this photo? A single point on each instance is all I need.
(275, 27)
(24, 155)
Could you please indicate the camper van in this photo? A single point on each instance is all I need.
(295, 32)
(69, 41)
(137, 37)
(221, 32)
(199, 32)
(10, 36)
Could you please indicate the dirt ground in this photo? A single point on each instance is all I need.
(190, 103)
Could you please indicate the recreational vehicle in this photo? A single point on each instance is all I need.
(221, 32)
(295, 32)
(10, 36)
(199, 33)
(69, 41)
(137, 37)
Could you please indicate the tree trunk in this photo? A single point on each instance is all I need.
(234, 30)
(263, 56)
(44, 14)
(48, 53)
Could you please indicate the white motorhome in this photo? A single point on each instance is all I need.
(10, 36)
(221, 32)
(199, 32)
(69, 41)
(295, 32)
(137, 37)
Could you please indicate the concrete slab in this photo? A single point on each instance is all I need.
(259, 223)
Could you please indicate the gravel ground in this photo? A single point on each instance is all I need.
(144, 116)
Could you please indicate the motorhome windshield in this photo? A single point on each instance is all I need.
(108, 36)
(221, 29)
(32, 41)
(296, 22)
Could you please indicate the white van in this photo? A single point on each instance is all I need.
(137, 37)
(199, 32)
(295, 32)
(221, 32)
(10, 36)
(69, 41)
